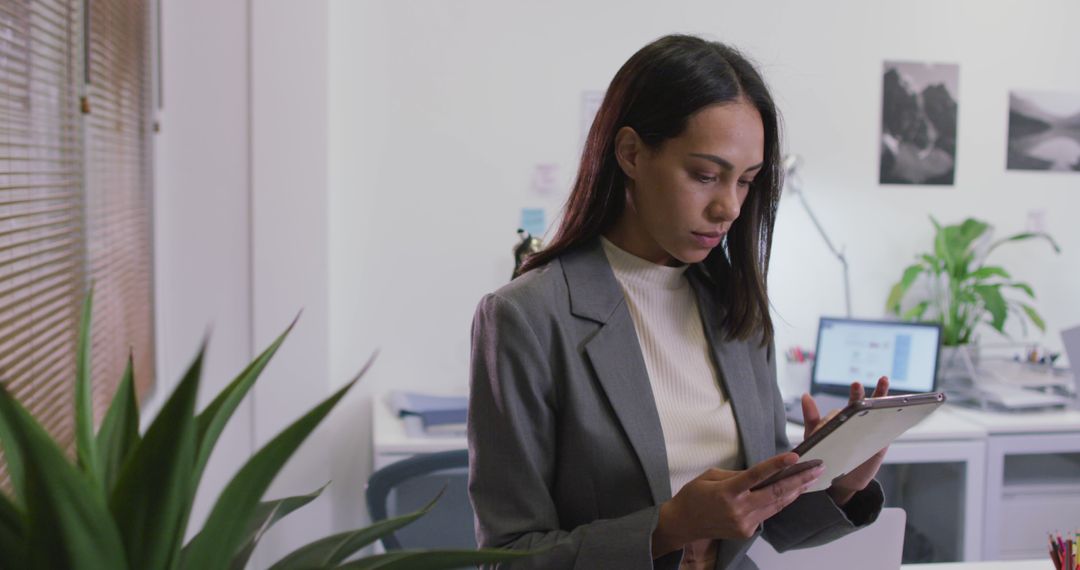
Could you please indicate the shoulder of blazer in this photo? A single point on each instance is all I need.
(538, 294)
(579, 282)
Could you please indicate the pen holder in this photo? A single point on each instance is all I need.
(795, 380)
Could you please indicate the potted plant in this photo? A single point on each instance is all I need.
(962, 290)
(125, 503)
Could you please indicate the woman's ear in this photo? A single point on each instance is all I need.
(628, 147)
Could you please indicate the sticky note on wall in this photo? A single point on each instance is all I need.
(532, 221)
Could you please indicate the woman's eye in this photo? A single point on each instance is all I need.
(745, 183)
(705, 178)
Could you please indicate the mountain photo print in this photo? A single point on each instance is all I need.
(1044, 131)
(918, 123)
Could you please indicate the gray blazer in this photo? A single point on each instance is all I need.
(565, 442)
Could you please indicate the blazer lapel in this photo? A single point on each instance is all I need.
(732, 359)
(615, 354)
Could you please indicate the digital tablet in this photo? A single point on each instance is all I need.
(856, 433)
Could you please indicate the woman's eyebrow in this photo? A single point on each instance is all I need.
(723, 162)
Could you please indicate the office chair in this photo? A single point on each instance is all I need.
(406, 486)
(877, 546)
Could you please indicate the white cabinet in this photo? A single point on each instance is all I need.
(1032, 488)
(936, 473)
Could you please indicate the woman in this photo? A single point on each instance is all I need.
(624, 396)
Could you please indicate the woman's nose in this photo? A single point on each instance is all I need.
(725, 205)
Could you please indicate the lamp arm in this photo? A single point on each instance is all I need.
(838, 253)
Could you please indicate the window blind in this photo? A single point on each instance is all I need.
(75, 183)
(118, 191)
(41, 206)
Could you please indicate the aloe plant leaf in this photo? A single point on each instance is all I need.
(69, 526)
(221, 537)
(212, 420)
(86, 445)
(436, 559)
(1034, 316)
(12, 535)
(266, 515)
(13, 458)
(119, 433)
(332, 550)
(995, 304)
(155, 485)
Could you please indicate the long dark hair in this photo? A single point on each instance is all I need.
(655, 93)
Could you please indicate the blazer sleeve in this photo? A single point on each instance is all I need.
(814, 518)
(513, 450)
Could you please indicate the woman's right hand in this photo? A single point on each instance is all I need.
(720, 504)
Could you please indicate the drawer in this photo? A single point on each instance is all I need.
(1026, 519)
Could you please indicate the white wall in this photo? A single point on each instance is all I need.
(201, 216)
(440, 110)
(241, 232)
(290, 254)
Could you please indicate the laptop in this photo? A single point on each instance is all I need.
(1071, 339)
(856, 350)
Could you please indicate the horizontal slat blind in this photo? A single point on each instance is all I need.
(75, 187)
(118, 191)
(42, 244)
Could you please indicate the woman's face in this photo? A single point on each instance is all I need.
(682, 197)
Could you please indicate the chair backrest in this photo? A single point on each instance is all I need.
(877, 546)
(409, 484)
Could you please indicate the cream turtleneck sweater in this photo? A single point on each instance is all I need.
(695, 413)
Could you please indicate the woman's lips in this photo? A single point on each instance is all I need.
(708, 239)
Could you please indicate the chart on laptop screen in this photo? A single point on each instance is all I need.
(862, 351)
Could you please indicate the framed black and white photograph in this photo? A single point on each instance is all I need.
(1044, 131)
(918, 123)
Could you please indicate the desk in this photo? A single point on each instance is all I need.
(1033, 564)
(390, 443)
(981, 451)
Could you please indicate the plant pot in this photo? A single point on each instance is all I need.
(958, 364)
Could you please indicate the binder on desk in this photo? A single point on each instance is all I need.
(430, 414)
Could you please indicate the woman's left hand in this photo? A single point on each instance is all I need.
(843, 488)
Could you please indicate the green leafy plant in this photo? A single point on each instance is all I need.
(964, 290)
(125, 503)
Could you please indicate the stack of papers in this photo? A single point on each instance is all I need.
(430, 415)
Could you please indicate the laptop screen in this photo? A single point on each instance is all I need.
(850, 350)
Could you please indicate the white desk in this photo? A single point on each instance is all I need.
(987, 446)
(391, 443)
(1035, 564)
